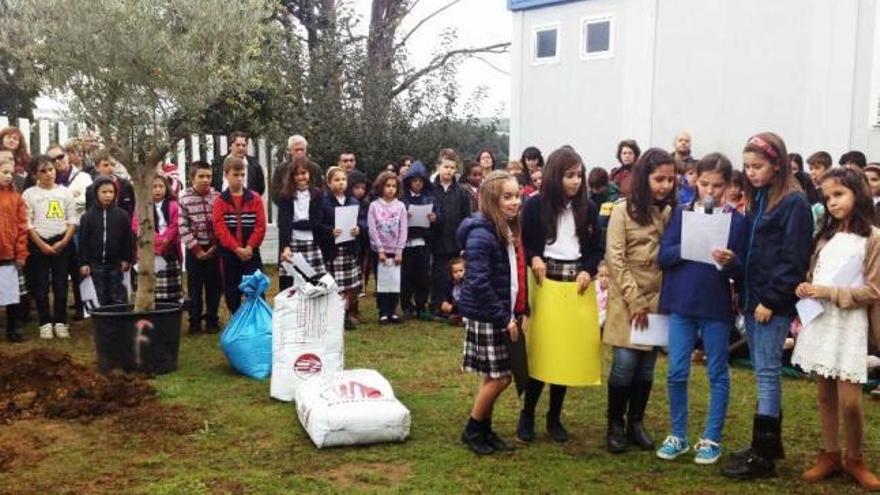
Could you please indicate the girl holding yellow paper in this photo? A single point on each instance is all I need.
(634, 233)
(560, 236)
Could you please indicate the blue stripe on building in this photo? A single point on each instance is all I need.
(534, 4)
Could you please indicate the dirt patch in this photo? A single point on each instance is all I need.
(47, 383)
(222, 486)
(154, 419)
(367, 475)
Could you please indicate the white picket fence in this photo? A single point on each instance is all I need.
(206, 147)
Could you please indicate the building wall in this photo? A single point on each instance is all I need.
(806, 69)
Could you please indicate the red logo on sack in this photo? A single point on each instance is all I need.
(352, 390)
(307, 365)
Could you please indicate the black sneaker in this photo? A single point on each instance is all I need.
(497, 444)
(556, 431)
(395, 320)
(14, 336)
(477, 443)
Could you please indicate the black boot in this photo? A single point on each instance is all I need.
(497, 444)
(525, 427)
(14, 335)
(776, 450)
(475, 438)
(758, 461)
(554, 424)
(635, 429)
(618, 398)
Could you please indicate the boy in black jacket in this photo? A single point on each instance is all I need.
(452, 204)
(106, 244)
(416, 271)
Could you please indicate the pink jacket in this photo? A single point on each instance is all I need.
(168, 239)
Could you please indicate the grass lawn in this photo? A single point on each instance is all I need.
(248, 443)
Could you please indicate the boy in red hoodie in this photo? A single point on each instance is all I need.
(240, 225)
(13, 236)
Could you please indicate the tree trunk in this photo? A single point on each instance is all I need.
(143, 173)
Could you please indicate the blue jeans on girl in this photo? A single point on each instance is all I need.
(632, 365)
(765, 348)
(683, 333)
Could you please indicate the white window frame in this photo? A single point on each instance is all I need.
(596, 19)
(538, 28)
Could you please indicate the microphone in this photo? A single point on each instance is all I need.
(708, 204)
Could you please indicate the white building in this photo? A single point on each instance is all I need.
(592, 72)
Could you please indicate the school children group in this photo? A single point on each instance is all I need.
(776, 256)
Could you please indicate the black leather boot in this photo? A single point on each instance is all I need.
(757, 462)
(638, 402)
(776, 450)
(525, 427)
(618, 398)
(474, 437)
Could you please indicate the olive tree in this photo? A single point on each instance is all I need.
(142, 71)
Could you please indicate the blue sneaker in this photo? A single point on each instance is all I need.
(672, 448)
(708, 452)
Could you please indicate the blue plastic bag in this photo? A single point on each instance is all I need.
(247, 338)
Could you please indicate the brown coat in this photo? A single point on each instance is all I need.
(631, 256)
(866, 295)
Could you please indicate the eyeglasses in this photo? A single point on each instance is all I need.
(57, 158)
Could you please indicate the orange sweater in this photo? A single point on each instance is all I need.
(13, 226)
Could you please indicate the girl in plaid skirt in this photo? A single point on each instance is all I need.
(560, 235)
(342, 259)
(166, 213)
(301, 225)
(493, 295)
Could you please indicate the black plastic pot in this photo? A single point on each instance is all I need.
(146, 341)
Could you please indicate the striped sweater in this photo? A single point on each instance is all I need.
(239, 221)
(196, 221)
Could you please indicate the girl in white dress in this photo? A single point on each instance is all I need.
(845, 279)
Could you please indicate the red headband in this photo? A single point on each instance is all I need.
(764, 146)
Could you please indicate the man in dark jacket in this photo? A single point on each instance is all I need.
(416, 272)
(254, 178)
(452, 205)
(106, 244)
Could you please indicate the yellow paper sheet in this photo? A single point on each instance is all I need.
(563, 340)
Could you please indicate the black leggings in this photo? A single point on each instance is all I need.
(533, 393)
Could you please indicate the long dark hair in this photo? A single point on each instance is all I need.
(772, 148)
(713, 162)
(288, 191)
(862, 219)
(806, 184)
(640, 201)
(530, 153)
(553, 198)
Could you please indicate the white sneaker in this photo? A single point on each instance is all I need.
(61, 331)
(873, 362)
(46, 331)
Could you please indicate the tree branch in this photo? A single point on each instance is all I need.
(440, 60)
(422, 22)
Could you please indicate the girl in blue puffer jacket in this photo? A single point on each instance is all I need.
(493, 295)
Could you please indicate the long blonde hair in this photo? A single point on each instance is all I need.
(490, 207)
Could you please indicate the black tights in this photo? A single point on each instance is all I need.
(533, 393)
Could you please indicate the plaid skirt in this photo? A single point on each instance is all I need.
(169, 288)
(345, 269)
(311, 252)
(485, 350)
(22, 282)
(562, 271)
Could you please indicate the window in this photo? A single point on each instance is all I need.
(598, 37)
(545, 48)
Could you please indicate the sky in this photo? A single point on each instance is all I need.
(478, 23)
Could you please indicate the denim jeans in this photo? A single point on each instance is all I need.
(632, 365)
(108, 284)
(765, 348)
(683, 333)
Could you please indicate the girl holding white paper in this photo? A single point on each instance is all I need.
(341, 260)
(634, 231)
(301, 226)
(834, 345)
(698, 298)
(777, 256)
(13, 239)
(387, 222)
(561, 239)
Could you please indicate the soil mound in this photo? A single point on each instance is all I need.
(47, 383)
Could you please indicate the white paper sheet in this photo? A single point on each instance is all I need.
(657, 333)
(299, 261)
(418, 215)
(346, 219)
(160, 264)
(702, 233)
(388, 277)
(9, 285)
(126, 281)
(808, 310)
(89, 296)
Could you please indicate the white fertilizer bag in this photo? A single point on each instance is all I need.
(307, 334)
(351, 407)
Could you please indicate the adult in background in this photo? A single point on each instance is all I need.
(347, 161)
(12, 139)
(532, 160)
(297, 147)
(682, 154)
(628, 153)
(253, 176)
(486, 159)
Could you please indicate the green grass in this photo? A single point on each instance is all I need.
(249, 443)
